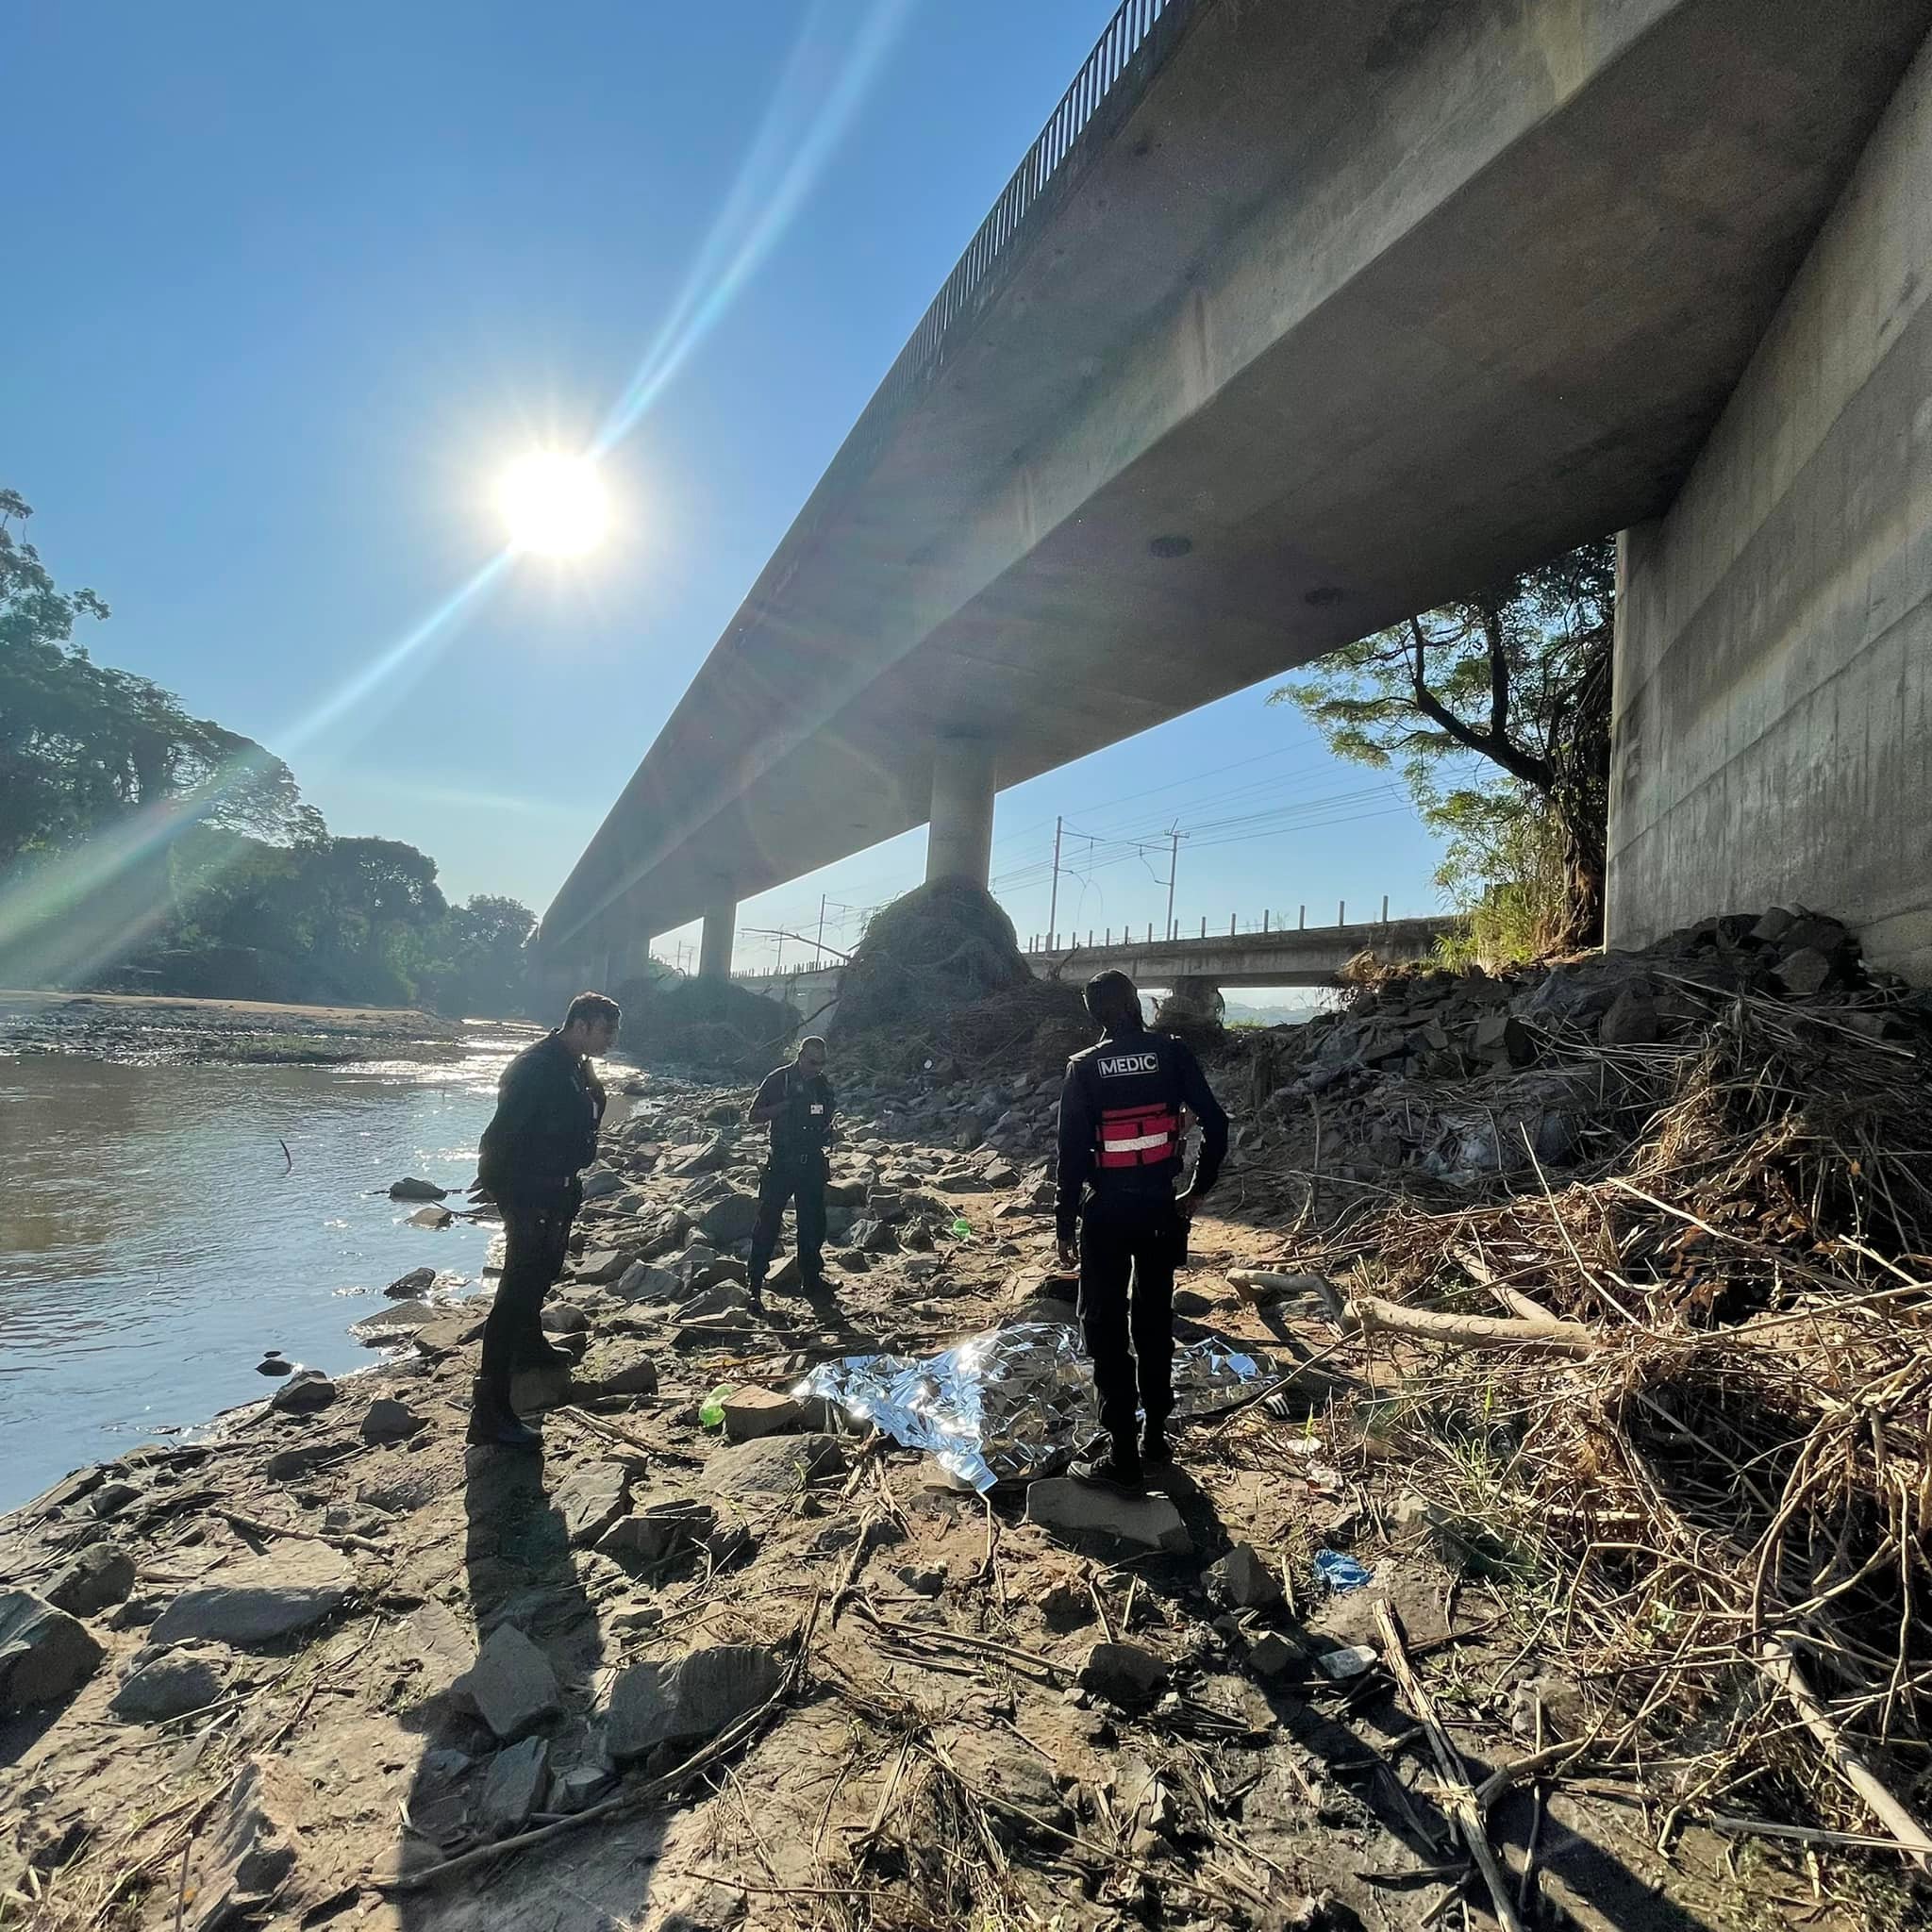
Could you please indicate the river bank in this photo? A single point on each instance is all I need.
(152, 1029)
(663, 1678)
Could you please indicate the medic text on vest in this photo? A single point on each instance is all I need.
(1130, 1063)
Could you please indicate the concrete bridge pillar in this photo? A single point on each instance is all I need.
(630, 959)
(1193, 1000)
(714, 947)
(959, 841)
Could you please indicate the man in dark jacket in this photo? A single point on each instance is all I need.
(1122, 1128)
(796, 1101)
(544, 1134)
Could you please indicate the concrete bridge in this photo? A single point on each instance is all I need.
(1300, 318)
(1305, 955)
(1192, 967)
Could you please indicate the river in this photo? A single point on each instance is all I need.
(155, 1240)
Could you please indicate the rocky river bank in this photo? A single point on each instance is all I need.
(722, 1656)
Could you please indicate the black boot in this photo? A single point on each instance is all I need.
(495, 1425)
(1119, 1469)
(1155, 1450)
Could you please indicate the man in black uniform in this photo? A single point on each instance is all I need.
(549, 1105)
(796, 1101)
(1120, 1155)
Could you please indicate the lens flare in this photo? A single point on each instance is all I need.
(818, 95)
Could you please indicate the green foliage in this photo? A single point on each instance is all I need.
(1506, 870)
(1496, 709)
(143, 848)
(84, 747)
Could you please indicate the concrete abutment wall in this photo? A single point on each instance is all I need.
(1774, 709)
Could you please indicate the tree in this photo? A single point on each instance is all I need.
(1497, 707)
(140, 845)
(83, 746)
(481, 965)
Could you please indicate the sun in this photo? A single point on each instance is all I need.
(553, 505)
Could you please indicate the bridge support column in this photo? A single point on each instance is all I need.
(714, 947)
(959, 841)
(1196, 1001)
(630, 959)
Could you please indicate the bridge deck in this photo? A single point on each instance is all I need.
(1305, 322)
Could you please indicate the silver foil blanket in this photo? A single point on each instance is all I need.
(1015, 1403)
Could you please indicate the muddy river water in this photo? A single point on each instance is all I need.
(155, 1240)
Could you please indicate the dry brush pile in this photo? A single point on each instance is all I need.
(1684, 1391)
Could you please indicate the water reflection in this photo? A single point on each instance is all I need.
(155, 1240)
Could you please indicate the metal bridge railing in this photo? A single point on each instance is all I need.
(1135, 24)
(1270, 924)
(1131, 29)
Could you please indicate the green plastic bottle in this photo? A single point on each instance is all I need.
(712, 1412)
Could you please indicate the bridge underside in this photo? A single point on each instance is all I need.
(1347, 308)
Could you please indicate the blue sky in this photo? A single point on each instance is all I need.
(294, 284)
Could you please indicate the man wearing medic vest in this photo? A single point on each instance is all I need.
(1122, 1128)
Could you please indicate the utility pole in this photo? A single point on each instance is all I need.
(1053, 904)
(818, 958)
(1174, 866)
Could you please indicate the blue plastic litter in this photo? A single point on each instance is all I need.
(1341, 1573)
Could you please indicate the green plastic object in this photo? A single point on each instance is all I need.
(712, 1412)
(962, 1230)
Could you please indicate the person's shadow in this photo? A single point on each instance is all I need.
(519, 1570)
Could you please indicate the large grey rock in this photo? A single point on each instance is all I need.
(616, 1376)
(1630, 1020)
(1242, 1579)
(260, 1600)
(593, 1498)
(708, 1158)
(644, 1281)
(410, 1189)
(98, 1577)
(1123, 1672)
(160, 1685)
(510, 1686)
(721, 1302)
(689, 1701)
(776, 1465)
(305, 1392)
(388, 1326)
(663, 1530)
(601, 1181)
(1085, 1509)
(750, 1413)
(44, 1653)
(605, 1264)
(112, 1498)
(390, 1421)
(413, 1286)
(512, 1786)
(730, 1219)
(537, 1389)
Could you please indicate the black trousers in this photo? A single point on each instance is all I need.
(1129, 1251)
(802, 1176)
(536, 1233)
